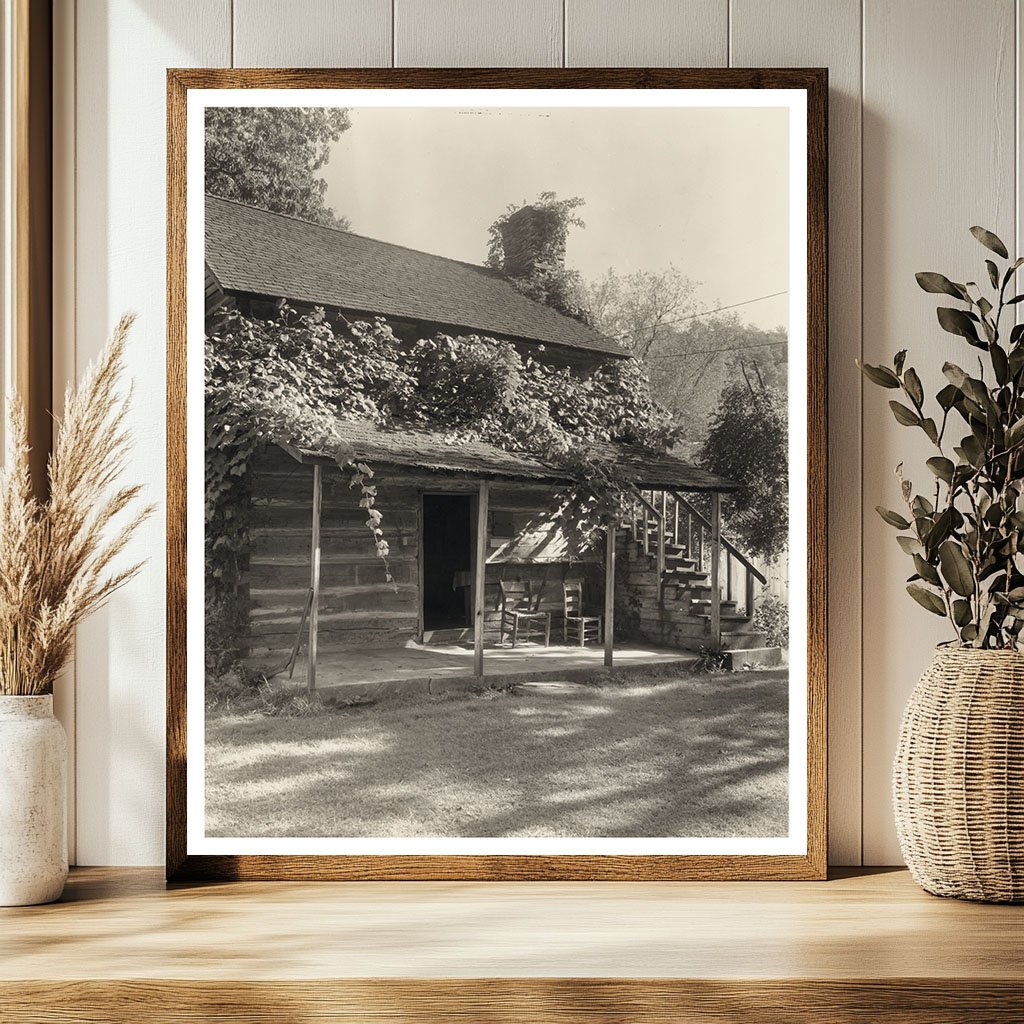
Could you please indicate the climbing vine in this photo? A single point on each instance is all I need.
(548, 280)
(295, 378)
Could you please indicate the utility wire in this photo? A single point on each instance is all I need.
(715, 351)
(705, 312)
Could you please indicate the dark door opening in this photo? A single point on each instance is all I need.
(447, 546)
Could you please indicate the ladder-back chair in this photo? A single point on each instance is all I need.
(521, 617)
(575, 625)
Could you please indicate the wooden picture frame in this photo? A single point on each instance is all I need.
(810, 864)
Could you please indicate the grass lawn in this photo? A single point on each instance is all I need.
(662, 754)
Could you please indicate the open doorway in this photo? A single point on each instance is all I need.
(447, 546)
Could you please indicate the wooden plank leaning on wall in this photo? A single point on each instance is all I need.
(29, 165)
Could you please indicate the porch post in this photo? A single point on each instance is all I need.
(716, 558)
(314, 577)
(609, 590)
(661, 549)
(479, 578)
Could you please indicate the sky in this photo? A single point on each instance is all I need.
(704, 189)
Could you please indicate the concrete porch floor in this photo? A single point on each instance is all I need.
(449, 667)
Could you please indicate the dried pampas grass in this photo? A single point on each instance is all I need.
(56, 556)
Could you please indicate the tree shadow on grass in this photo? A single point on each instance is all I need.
(686, 756)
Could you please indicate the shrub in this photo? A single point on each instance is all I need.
(771, 617)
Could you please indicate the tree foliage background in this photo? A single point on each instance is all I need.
(269, 157)
(749, 442)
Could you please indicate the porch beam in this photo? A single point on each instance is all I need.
(314, 578)
(716, 559)
(479, 577)
(609, 591)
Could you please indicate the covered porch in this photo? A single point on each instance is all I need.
(476, 470)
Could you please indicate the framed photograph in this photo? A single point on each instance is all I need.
(496, 474)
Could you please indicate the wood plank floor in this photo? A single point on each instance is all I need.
(122, 947)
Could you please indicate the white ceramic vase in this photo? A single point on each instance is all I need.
(33, 787)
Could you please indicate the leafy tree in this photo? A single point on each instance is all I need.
(269, 157)
(690, 367)
(748, 442)
(549, 281)
(640, 310)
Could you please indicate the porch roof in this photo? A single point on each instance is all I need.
(438, 452)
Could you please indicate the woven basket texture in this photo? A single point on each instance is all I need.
(958, 777)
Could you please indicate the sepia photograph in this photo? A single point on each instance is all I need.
(499, 466)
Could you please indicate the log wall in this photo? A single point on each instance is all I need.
(358, 607)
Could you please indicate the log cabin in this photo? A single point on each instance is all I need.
(464, 522)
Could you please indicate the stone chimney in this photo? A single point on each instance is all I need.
(532, 239)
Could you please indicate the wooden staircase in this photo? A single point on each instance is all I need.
(671, 562)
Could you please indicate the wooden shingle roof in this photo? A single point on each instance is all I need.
(437, 452)
(256, 252)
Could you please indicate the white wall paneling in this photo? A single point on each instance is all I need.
(939, 156)
(646, 33)
(925, 106)
(807, 33)
(478, 33)
(312, 33)
(123, 48)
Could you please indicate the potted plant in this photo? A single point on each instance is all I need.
(56, 566)
(958, 780)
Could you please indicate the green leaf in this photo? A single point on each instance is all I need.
(939, 284)
(993, 273)
(912, 385)
(1000, 364)
(926, 571)
(969, 633)
(899, 359)
(956, 321)
(892, 518)
(942, 467)
(948, 397)
(956, 569)
(907, 417)
(943, 526)
(926, 598)
(922, 507)
(1014, 300)
(880, 375)
(973, 452)
(911, 545)
(984, 306)
(905, 486)
(990, 241)
(955, 375)
(1015, 434)
(928, 426)
(961, 612)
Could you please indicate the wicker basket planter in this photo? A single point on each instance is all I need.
(958, 777)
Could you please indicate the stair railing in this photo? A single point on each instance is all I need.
(752, 573)
(673, 519)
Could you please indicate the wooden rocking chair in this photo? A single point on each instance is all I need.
(521, 616)
(575, 624)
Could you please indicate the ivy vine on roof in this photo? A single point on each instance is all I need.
(297, 377)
